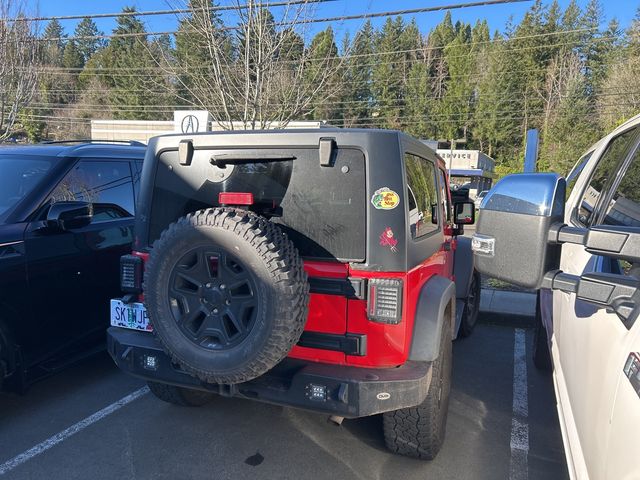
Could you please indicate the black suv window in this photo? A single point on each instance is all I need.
(606, 170)
(106, 184)
(20, 176)
(421, 180)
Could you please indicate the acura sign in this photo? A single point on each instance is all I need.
(191, 121)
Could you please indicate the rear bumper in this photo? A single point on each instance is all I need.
(340, 390)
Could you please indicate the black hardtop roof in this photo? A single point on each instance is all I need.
(283, 131)
(102, 150)
(273, 138)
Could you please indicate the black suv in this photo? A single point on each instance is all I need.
(66, 217)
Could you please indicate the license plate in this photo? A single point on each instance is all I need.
(130, 315)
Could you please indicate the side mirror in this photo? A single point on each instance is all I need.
(68, 215)
(511, 242)
(464, 213)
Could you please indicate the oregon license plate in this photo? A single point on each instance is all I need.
(130, 315)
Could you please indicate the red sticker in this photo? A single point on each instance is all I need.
(388, 240)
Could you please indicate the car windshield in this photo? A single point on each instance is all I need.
(19, 176)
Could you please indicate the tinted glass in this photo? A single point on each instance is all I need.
(446, 206)
(107, 185)
(19, 177)
(605, 172)
(624, 207)
(322, 209)
(421, 179)
(573, 176)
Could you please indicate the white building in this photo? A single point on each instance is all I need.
(469, 167)
(184, 121)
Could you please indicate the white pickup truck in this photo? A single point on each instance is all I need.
(583, 254)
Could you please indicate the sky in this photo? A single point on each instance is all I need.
(496, 15)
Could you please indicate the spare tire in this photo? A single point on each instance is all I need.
(226, 294)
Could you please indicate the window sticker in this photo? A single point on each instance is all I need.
(385, 199)
(387, 239)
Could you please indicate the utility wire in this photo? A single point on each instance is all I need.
(182, 69)
(391, 52)
(342, 18)
(177, 11)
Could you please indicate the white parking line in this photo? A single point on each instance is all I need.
(72, 430)
(518, 468)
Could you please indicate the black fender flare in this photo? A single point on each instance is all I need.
(436, 295)
(463, 266)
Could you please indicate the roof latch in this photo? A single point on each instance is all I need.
(326, 151)
(185, 152)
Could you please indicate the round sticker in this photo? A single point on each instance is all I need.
(385, 199)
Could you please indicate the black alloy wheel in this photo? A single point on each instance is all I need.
(213, 298)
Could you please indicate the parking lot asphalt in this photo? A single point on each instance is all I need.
(59, 429)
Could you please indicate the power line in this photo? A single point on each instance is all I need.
(62, 70)
(342, 18)
(169, 108)
(375, 121)
(177, 11)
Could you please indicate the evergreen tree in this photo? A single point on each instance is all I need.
(356, 94)
(322, 55)
(387, 74)
(54, 43)
(86, 42)
(132, 73)
(72, 58)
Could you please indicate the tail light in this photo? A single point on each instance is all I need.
(385, 300)
(131, 273)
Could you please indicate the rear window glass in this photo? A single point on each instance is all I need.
(322, 209)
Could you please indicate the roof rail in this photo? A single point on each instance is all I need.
(133, 143)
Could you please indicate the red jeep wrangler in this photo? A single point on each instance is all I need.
(308, 268)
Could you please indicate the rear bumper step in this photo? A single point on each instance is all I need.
(333, 389)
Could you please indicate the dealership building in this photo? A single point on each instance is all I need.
(184, 121)
(469, 167)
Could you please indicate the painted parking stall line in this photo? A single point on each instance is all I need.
(518, 467)
(72, 430)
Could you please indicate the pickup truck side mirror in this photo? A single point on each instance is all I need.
(521, 230)
(69, 215)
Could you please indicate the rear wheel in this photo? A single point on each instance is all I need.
(541, 353)
(471, 307)
(185, 397)
(419, 431)
(6, 356)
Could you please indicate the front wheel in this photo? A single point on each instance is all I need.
(419, 431)
(471, 306)
(185, 397)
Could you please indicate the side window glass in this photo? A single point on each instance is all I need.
(107, 185)
(446, 205)
(603, 175)
(624, 210)
(624, 207)
(573, 176)
(421, 181)
(137, 172)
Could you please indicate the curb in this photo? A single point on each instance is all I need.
(503, 307)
